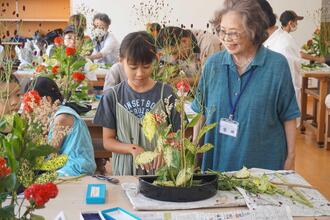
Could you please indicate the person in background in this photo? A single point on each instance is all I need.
(281, 41)
(179, 47)
(115, 76)
(123, 107)
(208, 43)
(106, 45)
(77, 144)
(70, 36)
(247, 89)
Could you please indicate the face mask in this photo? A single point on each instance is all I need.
(98, 33)
(293, 29)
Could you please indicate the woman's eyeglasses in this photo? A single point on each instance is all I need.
(232, 35)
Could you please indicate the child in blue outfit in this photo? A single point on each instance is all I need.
(77, 144)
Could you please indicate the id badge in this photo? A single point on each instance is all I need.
(228, 127)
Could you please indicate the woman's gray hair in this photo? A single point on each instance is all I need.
(102, 17)
(255, 21)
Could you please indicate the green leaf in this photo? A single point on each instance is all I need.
(194, 121)
(37, 217)
(205, 129)
(204, 148)
(183, 177)
(189, 146)
(145, 157)
(10, 182)
(78, 64)
(7, 212)
(40, 150)
(3, 196)
(168, 156)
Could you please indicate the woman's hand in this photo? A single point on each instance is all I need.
(289, 163)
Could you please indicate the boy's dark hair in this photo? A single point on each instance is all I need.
(45, 87)
(69, 29)
(102, 17)
(268, 10)
(138, 48)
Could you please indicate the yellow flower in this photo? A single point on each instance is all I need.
(149, 126)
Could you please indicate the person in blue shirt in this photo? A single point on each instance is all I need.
(77, 143)
(247, 89)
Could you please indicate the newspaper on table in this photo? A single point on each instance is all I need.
(321, 205)
(220, 200)
(278, 213)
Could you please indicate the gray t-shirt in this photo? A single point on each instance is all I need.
(134, 102)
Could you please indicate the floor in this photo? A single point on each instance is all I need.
(313, 162)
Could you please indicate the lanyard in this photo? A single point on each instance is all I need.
(233, 107)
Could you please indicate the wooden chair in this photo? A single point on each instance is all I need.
(101, 155)
(327, 130)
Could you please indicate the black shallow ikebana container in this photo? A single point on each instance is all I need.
(206, 189)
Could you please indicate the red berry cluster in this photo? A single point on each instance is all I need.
(70, 51)
(39, 194)
(4, 170)
(77, 76)
(31, 96)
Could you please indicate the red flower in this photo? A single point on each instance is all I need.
(4, 170)
(30, 97)
(183, 86)
(58, 41)
(77, 76)
(69, 51)
(55, 69)
(40, 68)
(41, 193)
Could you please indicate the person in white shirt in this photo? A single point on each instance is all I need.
(115, 76)
(106, 45)
(281, 41)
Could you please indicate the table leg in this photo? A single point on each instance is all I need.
(303, 104)
(321, 111)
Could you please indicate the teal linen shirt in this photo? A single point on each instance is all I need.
(267, 102)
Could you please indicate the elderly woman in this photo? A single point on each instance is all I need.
(106, 45)
(247, 89)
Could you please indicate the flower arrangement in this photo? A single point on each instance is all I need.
(28, 158)
(66, 68)
(178, 151)
(312, 46)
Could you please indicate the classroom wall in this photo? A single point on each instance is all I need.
(130, 15)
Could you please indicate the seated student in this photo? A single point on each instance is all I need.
(69, 40)
(208, 43)
(9, 96)
(106, 45)
(115, 76)
(77, 144)
(123, 107)
(181, 49)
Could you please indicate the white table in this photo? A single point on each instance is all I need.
(71, 200)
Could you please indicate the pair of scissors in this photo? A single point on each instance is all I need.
(107, 178)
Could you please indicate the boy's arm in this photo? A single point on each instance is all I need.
(110, 143)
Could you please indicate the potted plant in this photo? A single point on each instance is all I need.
(175, 180)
